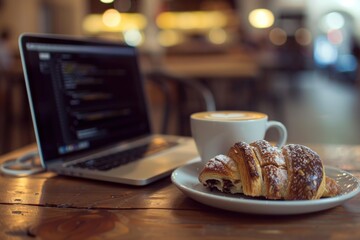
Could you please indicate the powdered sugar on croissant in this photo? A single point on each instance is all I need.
(294, 172)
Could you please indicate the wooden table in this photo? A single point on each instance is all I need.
(49, 206)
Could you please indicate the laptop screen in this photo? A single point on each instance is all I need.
(83, 94)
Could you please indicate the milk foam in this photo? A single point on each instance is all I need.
(229, 116)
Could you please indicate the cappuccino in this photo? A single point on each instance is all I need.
(215, 132)
(228, 116)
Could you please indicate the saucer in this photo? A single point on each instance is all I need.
(186, 179)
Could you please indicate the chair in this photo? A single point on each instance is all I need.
(15, 121)
(184, 95)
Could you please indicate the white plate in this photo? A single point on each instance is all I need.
(186, 179)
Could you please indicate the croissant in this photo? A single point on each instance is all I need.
(293, 172)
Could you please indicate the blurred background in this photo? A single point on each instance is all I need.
(296, 60)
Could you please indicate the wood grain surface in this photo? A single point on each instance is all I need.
(48, 206)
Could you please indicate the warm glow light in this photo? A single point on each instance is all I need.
(278, 36)
(303, 36)
(214, 20)
(261, 18)
(106, 1)
(217, 36)
(166, 20)
(93, 23)
(186, 21)
(168, 38)
(111, 18)
(199, 20)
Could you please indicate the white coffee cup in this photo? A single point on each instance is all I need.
(215, 132)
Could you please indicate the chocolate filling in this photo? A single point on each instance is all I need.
(227, 185)
(212, 183)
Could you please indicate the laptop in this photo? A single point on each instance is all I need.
(90, 113)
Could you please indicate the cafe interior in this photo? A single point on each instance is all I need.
(295, 60)
(298, 61)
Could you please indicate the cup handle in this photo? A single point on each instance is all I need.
(281, 129)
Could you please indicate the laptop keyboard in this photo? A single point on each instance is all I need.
(108, 162)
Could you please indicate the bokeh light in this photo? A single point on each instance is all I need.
(346, 63)
(93, 23)
(217, 36)
(278, 36)
(303, 36)
(168, 38)
(133, 37)
(261, 18)
(335, 36)
(111, 18)
(331, 21)
(191, 20)
(106, 1)
(325, 53)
